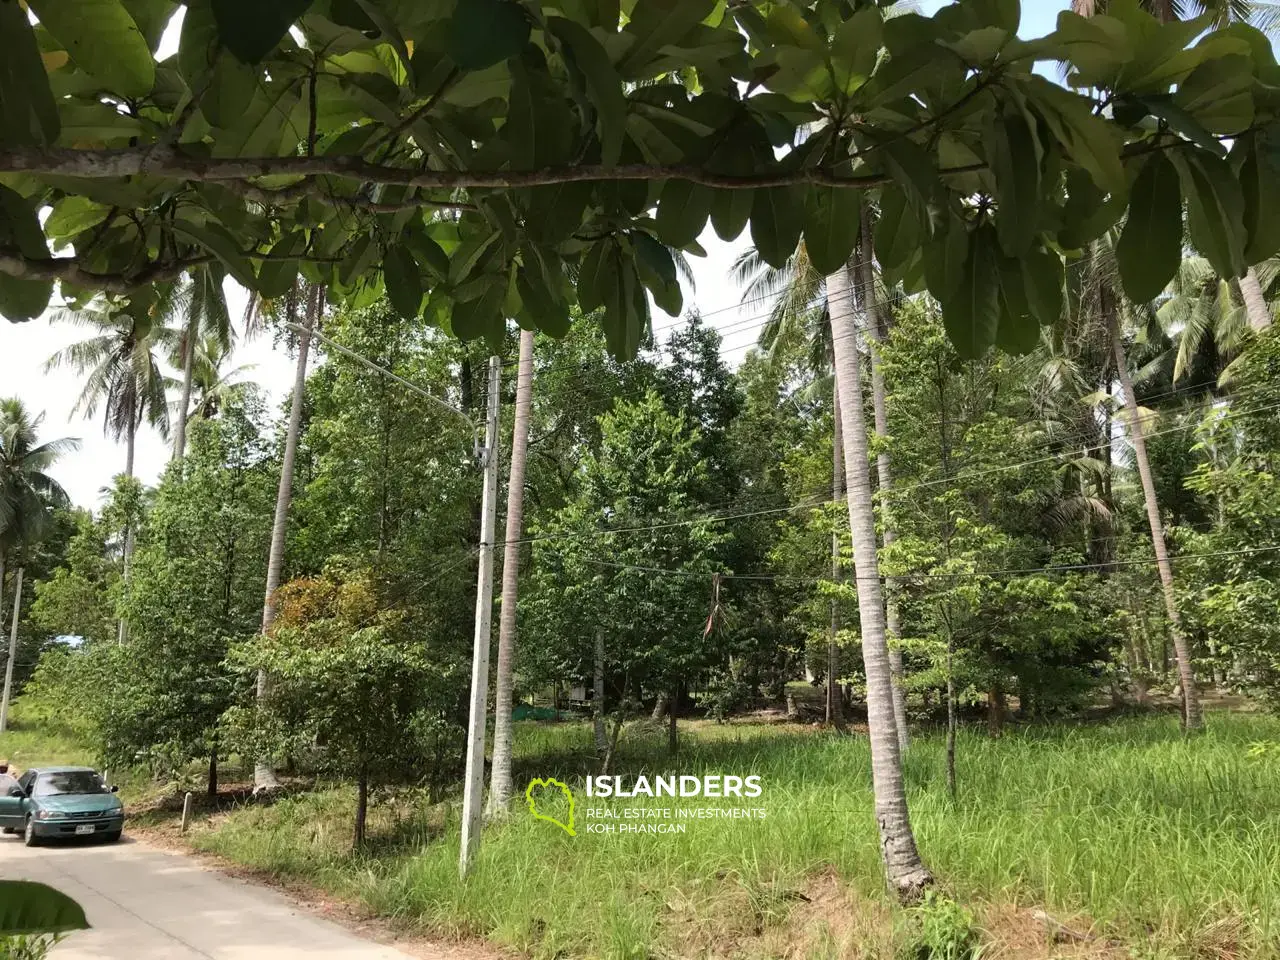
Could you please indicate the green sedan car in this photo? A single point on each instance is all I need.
(61, 802)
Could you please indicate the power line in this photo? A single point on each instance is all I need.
(1012, 573)
(773, 511)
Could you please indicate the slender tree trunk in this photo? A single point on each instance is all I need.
(1255, 303)
(905, 871)
(362, 804)
(834, 715)
(1191, 715)
(131, 440)
(184, 405)
(13, 652)
(879, 330)
(597, 695)
(500, 781)
(673, 733)
(264, 777)
(951, 717)
(213, 769)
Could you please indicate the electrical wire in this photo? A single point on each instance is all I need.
(1010, 574)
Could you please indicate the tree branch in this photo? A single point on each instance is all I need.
(168, 162)
(69, 270)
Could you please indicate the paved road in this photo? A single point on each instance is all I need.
(147, 904)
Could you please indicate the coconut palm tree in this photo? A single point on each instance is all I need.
(800, 317)
(212, 388)
(500, 780)
(120, 365)
(264, 775)
(1203, 310)
(905, 870)
(27, 495)
(123, 375)
(207, 321)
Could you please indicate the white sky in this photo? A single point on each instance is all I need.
(25, 347)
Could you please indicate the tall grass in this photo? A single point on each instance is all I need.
(1167, 842)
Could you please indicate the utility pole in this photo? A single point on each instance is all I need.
(13, 653)
(473, 791)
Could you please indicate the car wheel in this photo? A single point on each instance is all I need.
(112, 837)
(29, 835)
(10, 830)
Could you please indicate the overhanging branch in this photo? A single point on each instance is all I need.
(170, 163)
(69, 270)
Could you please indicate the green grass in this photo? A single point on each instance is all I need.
(1170, 844)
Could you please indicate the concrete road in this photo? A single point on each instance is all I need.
(147, 904)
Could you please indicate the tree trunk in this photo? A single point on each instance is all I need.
(213, 770)
(597, 695)
(264, 776)
(184, 405)
(500, 780)
(131, 439)
(834, 715)
(1191, 715)
(995, 711)
(905, 871)
(879, 330)
(362, 805)
(673, 734)
(1255, 303)
(13, 652)
(659, 708)
(951, 718)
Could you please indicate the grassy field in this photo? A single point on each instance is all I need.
(1171, 846)
(1163, 847)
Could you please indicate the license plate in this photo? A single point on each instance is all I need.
(83, 828)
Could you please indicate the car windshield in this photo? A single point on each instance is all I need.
(71, 781)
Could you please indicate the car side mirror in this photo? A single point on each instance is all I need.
(17, 792)
(115, 788)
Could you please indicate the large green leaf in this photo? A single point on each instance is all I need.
(151, 17)
(73, 214)
(538, 128)
(1016, 167)
(1043, 274)
(730, 211)
(626, 308)
(278, 274)
(592, 275)
(1260, 187)
(1215, 209)
(602, 81)
(1218, 94)
(481, 317)
(971, 314)
(657, 271)
(831, 226)
(484, 32)
(538, 303)
(404, 284)
(777, 217)
(32, 908)
(22, 299)
(1150, 246)
(250, 29)
(945, 257)
(656, 24)
(1017, 332)
(222, 244)
(28, 114)
(224, 85)
(682, 212)
(897, 233)
(20, 225)
(103, 40)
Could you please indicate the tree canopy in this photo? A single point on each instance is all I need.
(509, 158)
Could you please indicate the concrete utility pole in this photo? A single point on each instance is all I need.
(473, 792)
